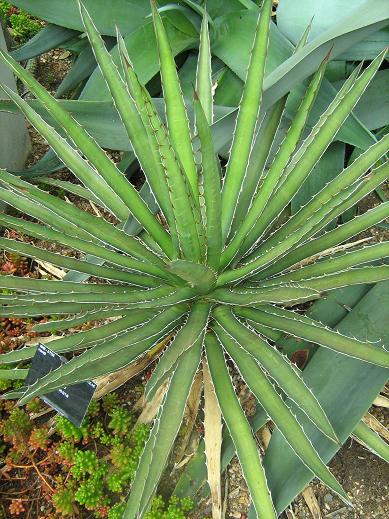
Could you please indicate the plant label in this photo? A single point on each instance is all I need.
(69, 401)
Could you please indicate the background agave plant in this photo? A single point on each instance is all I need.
(221, 270)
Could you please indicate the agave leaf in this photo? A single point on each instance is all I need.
(83, 339)
(71, 158)
(204, 72)
(45, 233)
(353, 276)
(278, 411)
(264, 138)
(328, 240)
(47, 286)
(334, 378)
(28, 198)
(246, 120)
(285, 294)
(191, 332)
(127, 345)
(313, 147)
(73, 264)
(13, 374)
(239, 429)
(32, 310)
(67, 15)
(293, 16)
(334, 264)
(105, 178)
(185, 224)
(149, 298)
(210, 184)
(371, 440)
(176, 116)
(84, 266)
(278, 367)
(328, 194)
(310, 330)
(76, 320)
(277, 168)
(163, 434)
(50, 37)
(258, 156)
(193, 478)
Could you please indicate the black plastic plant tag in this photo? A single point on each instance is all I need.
(70, 401)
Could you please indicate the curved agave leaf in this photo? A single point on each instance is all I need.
(73, 264)
(50, 37)
(106, 15)
(293, 16)
(13, 374)
(79, 319)
(371, 440)
(326, 242)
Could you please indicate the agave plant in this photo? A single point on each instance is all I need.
(218, 272)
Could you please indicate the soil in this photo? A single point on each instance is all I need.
(363, 475)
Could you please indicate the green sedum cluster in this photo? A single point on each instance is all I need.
(97, 481)
(23, 26)
(219, 269)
